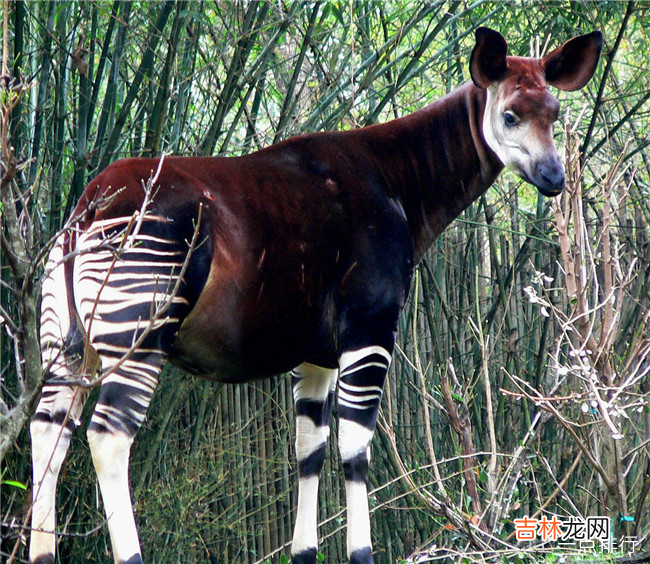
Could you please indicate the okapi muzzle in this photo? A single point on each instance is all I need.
(294, 259)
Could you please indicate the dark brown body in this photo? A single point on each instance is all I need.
(300, 233)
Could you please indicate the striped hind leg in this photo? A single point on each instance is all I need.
(131, 312)
(121, 408)
(51, 430)
(313, 392)
(362, 376)
(59, 408)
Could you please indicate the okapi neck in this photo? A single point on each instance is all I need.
(436, 161)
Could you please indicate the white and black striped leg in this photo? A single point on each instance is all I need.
(120, 410)
(51, 430)
(313, 392)
(110, 452)
(58, 411)
(361, 382)
(117, 302)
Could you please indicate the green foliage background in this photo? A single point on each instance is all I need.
(212, 470)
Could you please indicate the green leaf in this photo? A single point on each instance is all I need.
(14, 484)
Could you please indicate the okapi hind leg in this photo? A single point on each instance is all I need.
(110, 453)
(362, 376)
(313, 392)
(120, 303)
(59, 409)
(121, 408)
(51, 431)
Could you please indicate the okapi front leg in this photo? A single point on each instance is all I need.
(362, 377)
(313, 392)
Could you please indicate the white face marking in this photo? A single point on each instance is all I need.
(524, 143)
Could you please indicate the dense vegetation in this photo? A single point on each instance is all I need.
(520, 386)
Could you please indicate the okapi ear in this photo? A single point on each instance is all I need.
(573, 64)
(488, 61)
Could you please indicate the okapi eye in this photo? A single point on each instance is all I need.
(510, 119)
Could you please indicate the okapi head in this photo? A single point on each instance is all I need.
(520, 111)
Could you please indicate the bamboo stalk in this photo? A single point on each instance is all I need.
(630, 6)
(239, 57)
(37, 134)
(157, 117)
(144, 70)
(84, 94)
(106, 116)
(289, 102)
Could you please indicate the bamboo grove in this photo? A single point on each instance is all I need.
(520, 385)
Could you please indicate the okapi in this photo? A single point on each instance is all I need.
(297, 258)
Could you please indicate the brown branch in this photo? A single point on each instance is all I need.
(571, 397)
(634, 558)
(538, 400)
(558, 489)
(463, 428)
(462, 523)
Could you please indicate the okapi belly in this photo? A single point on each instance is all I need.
(231, 349)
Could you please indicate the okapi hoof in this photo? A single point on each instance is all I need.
(135, 559)
(307, 556)
(44, 559)
(361, 556)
